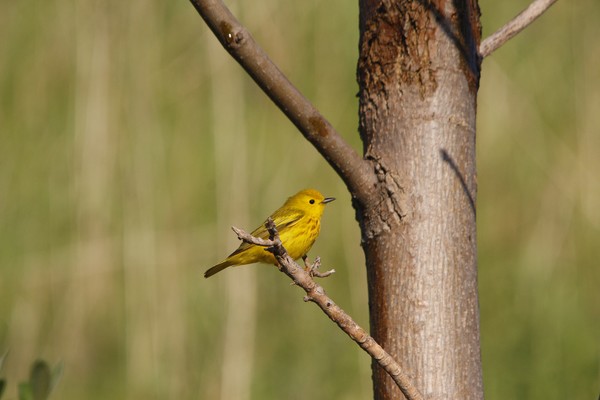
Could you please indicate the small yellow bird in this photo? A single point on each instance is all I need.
(298, 222)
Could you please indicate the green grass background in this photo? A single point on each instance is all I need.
(130, 143)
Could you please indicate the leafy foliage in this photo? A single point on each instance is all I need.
(41, 383)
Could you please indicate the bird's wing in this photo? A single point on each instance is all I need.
(282, 221)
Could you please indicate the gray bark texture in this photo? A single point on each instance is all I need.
(418, 73)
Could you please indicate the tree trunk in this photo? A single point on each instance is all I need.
(418, 73)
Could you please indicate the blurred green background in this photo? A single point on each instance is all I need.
(131, 142)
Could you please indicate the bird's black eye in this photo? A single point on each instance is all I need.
(312, 201)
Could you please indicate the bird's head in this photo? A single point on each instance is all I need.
(309, 200)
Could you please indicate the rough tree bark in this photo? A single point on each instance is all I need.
(418, 73)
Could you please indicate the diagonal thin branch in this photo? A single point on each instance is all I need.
(514, 26)
(316, 294)
(235, 38)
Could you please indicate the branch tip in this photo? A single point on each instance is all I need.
(514, 26)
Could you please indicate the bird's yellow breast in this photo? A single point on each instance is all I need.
(299, 239)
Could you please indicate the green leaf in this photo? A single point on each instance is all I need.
(25, 391)
(57, 373)
(40, 380)
(2, 386)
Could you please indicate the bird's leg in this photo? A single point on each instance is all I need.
(307, 266)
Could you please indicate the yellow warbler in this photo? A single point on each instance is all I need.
(298, 222)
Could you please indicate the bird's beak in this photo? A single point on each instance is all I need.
(328, 200)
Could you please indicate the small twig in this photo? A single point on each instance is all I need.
(248, 238)
(314, 272)
(514, 26)
(316, 294)
(313, 269)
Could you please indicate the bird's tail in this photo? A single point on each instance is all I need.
(217, 268)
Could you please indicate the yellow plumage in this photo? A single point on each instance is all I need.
(298, 222)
